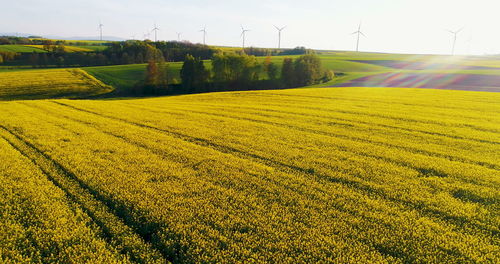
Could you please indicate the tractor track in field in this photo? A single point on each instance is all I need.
(223, 149)
(401, 128)
(367, 101)
(285, 168)
(380, 248)
(350, 138)
(431, 122)
(347, 122)
(458, 221)
(383, 250)
(116, 229)
(423, 171)
(365, 113)
(341, 136)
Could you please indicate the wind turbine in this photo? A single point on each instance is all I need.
(179, 36)
(155, 29)
(243, 34)
(100, 29)
(279, 35)
(455, 33)
(204, 30)
(359, 33)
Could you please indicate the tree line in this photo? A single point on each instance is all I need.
(6, 56)
(119, 53)
(37, 40)
(233, 72)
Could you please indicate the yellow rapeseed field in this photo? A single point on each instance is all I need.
(327, 175)
(66, 48)
(53, 83)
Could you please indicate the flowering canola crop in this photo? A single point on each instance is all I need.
(329, 175)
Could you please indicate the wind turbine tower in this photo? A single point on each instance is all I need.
(455, 33)
(100, 29)
(155, 29)
(359, 33)
(204, 30)
(243, 34)
(179, 36)
(279, 35)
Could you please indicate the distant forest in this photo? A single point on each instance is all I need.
(117, 53)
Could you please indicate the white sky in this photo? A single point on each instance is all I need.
(406, 26)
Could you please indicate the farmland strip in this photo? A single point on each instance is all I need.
(115, 227)
(456, 220)
(334, 135)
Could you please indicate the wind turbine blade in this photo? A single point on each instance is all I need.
(277, 28)
(354, 33)
(460, 30)
(362, 34)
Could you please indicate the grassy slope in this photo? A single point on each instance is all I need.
(55, 83)
(21, 49)
(93, 48)
(39, 48)
(302, 175)
(66, 48)
(86, 42)
(125, 76)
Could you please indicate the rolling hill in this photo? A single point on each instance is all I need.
(53, 83)
(308, 175)
(302, 175)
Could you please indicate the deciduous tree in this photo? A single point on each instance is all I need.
(288, 72)
(193, 74)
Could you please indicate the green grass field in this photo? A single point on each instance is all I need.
(347, 175)
(124, 77)
(66, 48)
(79, 42)
(92, 48)
(39, 48)
(88, 46)
(55, 83)
(21, 49)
